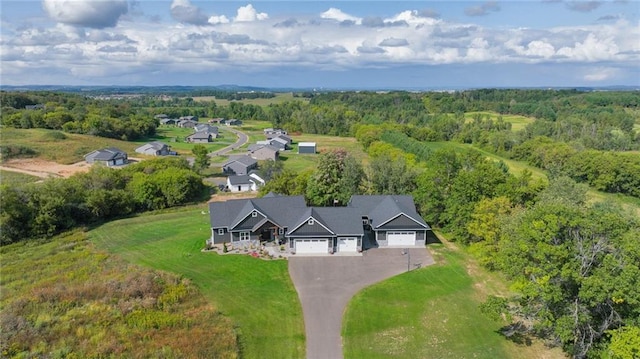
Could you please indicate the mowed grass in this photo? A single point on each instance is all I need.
(257, 295)
(430, 313)
(175, 138)
(67, 149)
(11, 178)
(517, 122)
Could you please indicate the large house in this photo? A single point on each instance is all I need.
(155, 148)
(264, 152)
(240, 165)
(367, 221)
(110, 156)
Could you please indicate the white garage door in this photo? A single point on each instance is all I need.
(312, 246)
(347, 244)
(401, 238)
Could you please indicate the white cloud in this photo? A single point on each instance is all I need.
(600, 74)
(94, 14)
(185, 12)
(338, 15)
(249, 13)
(218, 19)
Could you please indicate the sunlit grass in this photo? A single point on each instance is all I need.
(257, 295)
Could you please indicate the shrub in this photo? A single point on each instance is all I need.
(15, 151)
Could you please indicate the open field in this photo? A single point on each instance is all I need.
(63, 298)
(258, 296)
(67, 149)
(517, 122)
(279, 98)
(12, 178)
(432, 313)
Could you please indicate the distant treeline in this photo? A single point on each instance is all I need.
(38, 210)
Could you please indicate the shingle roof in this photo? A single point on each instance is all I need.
(339, 220)
(382, 208)
(278, 208)
(238, 180)
(107, 154)
(244, 160)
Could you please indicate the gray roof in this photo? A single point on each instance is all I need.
(206, 127)
(339, 220)
(107, 154)
(383, 208)
(155, 145)
(242, 179)
(246, 161)
(200, 135)
(278, 208)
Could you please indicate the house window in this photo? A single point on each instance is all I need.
(311, 222)
(220, 231)
(244, 236)
(280, 230)
(254, 214)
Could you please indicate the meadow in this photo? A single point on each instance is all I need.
(517, 122)
(63, 298)
(279, 98)
(256, 295)
(432, 312)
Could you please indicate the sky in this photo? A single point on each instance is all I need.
(321, 44)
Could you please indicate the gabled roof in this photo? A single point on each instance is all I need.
(279, 140)
(239, 180)
(107, 154)
(337, 220)
(279, 209)
(284, 137)
(380, 209)
(206, 127)
(204, 135)
(155, 145)
(257, 147)
(246, 161)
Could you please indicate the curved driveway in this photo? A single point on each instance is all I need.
(326, 284)
(242, 139)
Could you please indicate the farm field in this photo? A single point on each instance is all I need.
(432, 312)
(279, 98)
(258, 296)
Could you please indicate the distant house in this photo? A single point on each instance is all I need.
(155, 148)
(274, 132)
(110, 156)
(233, 122)
(168, 121)
(205, 127)
(199, 137)
(189, 118)
(243, 183)
(240, 165)
(219, 120)
(307, 147)
(286, 138)
(186, 123)
(161, 116)
(35, 107)
(264, 152)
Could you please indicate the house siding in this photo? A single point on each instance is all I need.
(311, 230)
(220, 238)
(249, 222)
(401, 222)
(421, 235)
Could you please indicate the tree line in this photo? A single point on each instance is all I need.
(37, 210)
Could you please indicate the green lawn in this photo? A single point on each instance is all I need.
(13, 178)
(174, 137)
(257, 295)
(430, 313)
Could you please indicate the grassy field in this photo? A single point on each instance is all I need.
(279, 98)
(62, 298)
(517, 122)
(258, 296)
(175, 137)
(66, 149)
(431, 313)
(13, 178)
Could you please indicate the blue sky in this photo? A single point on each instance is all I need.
(321, 44)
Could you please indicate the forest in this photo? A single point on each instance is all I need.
(574, 263)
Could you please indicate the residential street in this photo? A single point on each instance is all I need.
(325, 284)
(241, 141)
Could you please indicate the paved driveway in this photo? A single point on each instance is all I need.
(326, 284)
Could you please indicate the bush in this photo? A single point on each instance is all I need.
(15, 151)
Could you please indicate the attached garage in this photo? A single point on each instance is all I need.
(308, 246)
(401, 238)
(347, 245)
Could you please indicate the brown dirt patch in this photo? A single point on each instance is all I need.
(44, 169)
(222, 197)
